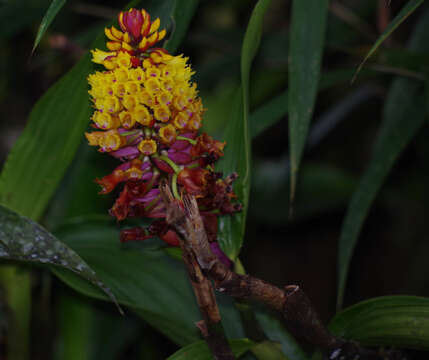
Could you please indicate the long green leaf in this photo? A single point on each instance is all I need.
(42, 153)
(182, 15)
(52, 11)
(406, 11)
(200, 351)
(148, 281)
(276, 108)
(75, 323)
(400, 321)
(403, 114)
(237, 135)
(307, 37)
(24, 240)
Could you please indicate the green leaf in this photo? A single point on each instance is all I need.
(148, 281)
(276, 108)
(237, 135)
(200, 351)
(275, 331)
(307, 37)
(400, 321)
(29, 12)
(50, 14)
(75, 324)
(403, 115)
(47, 145)
(182, 15)
(24, 240)
(268, 350)
(406, 11)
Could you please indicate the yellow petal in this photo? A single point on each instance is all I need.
(127, 37)
(161, 34)
(153, 38)
(99, 56)
(142, 44)
(126, 46)
(154, 26)
(117, 33)
(113, 45)
(109, 34)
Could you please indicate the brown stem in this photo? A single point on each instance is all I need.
(211, 326)
(291, 302)
(301, 318)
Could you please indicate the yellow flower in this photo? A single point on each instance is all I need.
(167, 134)
(147, 147)
(143, 91)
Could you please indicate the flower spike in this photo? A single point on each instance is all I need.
(147, 114)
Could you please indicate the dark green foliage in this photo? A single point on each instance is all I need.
(273, 77)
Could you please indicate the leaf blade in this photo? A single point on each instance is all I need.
(49, 16)
(22, 239)
(152, 284)
(402, 117)
(405, 12)
(400, 321)
(305, 49)
(237, 153)
(183, 13)
(274, 109)
(47, 145)
(200, 351)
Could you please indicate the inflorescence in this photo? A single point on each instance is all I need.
(148, 113)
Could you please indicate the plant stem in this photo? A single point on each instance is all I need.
(211, 326)
(16, 283)
(300, 317)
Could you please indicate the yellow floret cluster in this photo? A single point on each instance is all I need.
(157, 96)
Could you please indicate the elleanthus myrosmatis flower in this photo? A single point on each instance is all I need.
(147, 115)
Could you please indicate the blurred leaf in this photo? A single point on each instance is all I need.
(24, 240)
(29, 13)
(276, 108)
(275, 331)
(200, 351)
(150, 282)
(237, 135)
(76, 322)
(16, 286)
(147, 281)
(77, 195)
(47, 145)
(399, 321)
(268, 350)
(307, 37)
(50, 14)
(218, 103)
(406, 11)
(182, 15)
(403, 115)
(321, 188)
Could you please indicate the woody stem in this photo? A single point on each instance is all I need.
(211, 326)
(291, 302)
